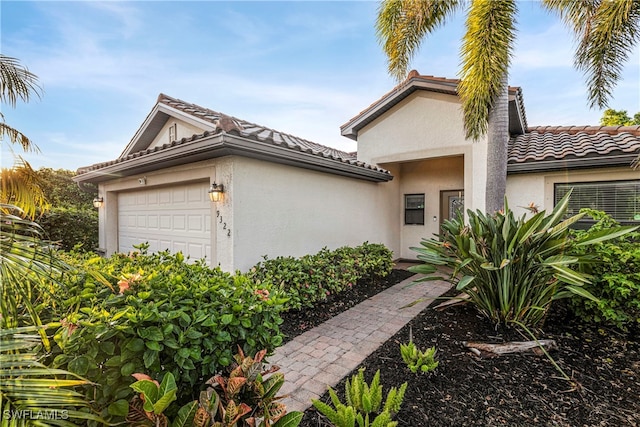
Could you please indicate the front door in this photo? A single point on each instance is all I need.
(451, 202)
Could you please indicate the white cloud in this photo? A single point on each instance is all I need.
(551, 48)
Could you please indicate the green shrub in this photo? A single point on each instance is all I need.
(513, 269)
(160, 314)
(70, 227)
(311, 278)
(615, 278)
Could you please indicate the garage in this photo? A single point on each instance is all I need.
(177, 218)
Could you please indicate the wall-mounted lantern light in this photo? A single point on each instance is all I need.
(98, 202)
(215, 192)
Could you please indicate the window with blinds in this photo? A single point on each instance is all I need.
(620, 199)
(414, 209)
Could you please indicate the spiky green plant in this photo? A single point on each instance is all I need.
(363, 401)
(512, 268)
(418, 360)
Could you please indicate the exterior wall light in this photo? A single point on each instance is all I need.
(215, 192)
(98, 202)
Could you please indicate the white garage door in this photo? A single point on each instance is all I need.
(176, 218)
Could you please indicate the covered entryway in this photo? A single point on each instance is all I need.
(177, 218)
(438, 186)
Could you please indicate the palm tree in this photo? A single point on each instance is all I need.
(19, 184)
(606, 31)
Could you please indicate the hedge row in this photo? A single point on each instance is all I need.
(312, 278)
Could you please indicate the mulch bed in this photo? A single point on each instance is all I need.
(512, 390)
(297, 322)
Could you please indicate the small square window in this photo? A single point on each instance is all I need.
(414, 209)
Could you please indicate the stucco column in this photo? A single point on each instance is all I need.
(110, 211)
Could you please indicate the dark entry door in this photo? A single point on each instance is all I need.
(451, 202)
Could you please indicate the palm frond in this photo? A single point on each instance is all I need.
(20, 186)
(32, 394)
(16, 137)
(28, 273)
(16, 81)
(402, 24)
(486, 54)
(606, 32)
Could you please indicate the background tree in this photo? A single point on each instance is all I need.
(19, 185)
(606, 32)
(71, 220)
(611, 117)
(62, 192)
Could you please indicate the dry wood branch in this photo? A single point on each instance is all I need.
(491, 350)
(458, 300)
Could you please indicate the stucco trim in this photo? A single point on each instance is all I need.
(414, 82)
(351, 128)
(225, 144)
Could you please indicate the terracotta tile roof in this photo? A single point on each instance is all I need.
(246, 129)
(547, 143)
(234, 126)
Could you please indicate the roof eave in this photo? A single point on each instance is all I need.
(551, 165)
(225, 144)
(351, 128)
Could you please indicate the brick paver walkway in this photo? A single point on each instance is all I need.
(322, 356)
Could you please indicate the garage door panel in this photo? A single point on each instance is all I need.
(177, 219)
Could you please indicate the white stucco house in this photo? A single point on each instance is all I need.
(283, 195)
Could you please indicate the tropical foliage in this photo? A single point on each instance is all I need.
(513, 268)
(29, 290)
(245, 398)
(615, 277)
(158, 314)
(16, 83)
(19, 185)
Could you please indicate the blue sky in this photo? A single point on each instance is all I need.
(300, 67)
